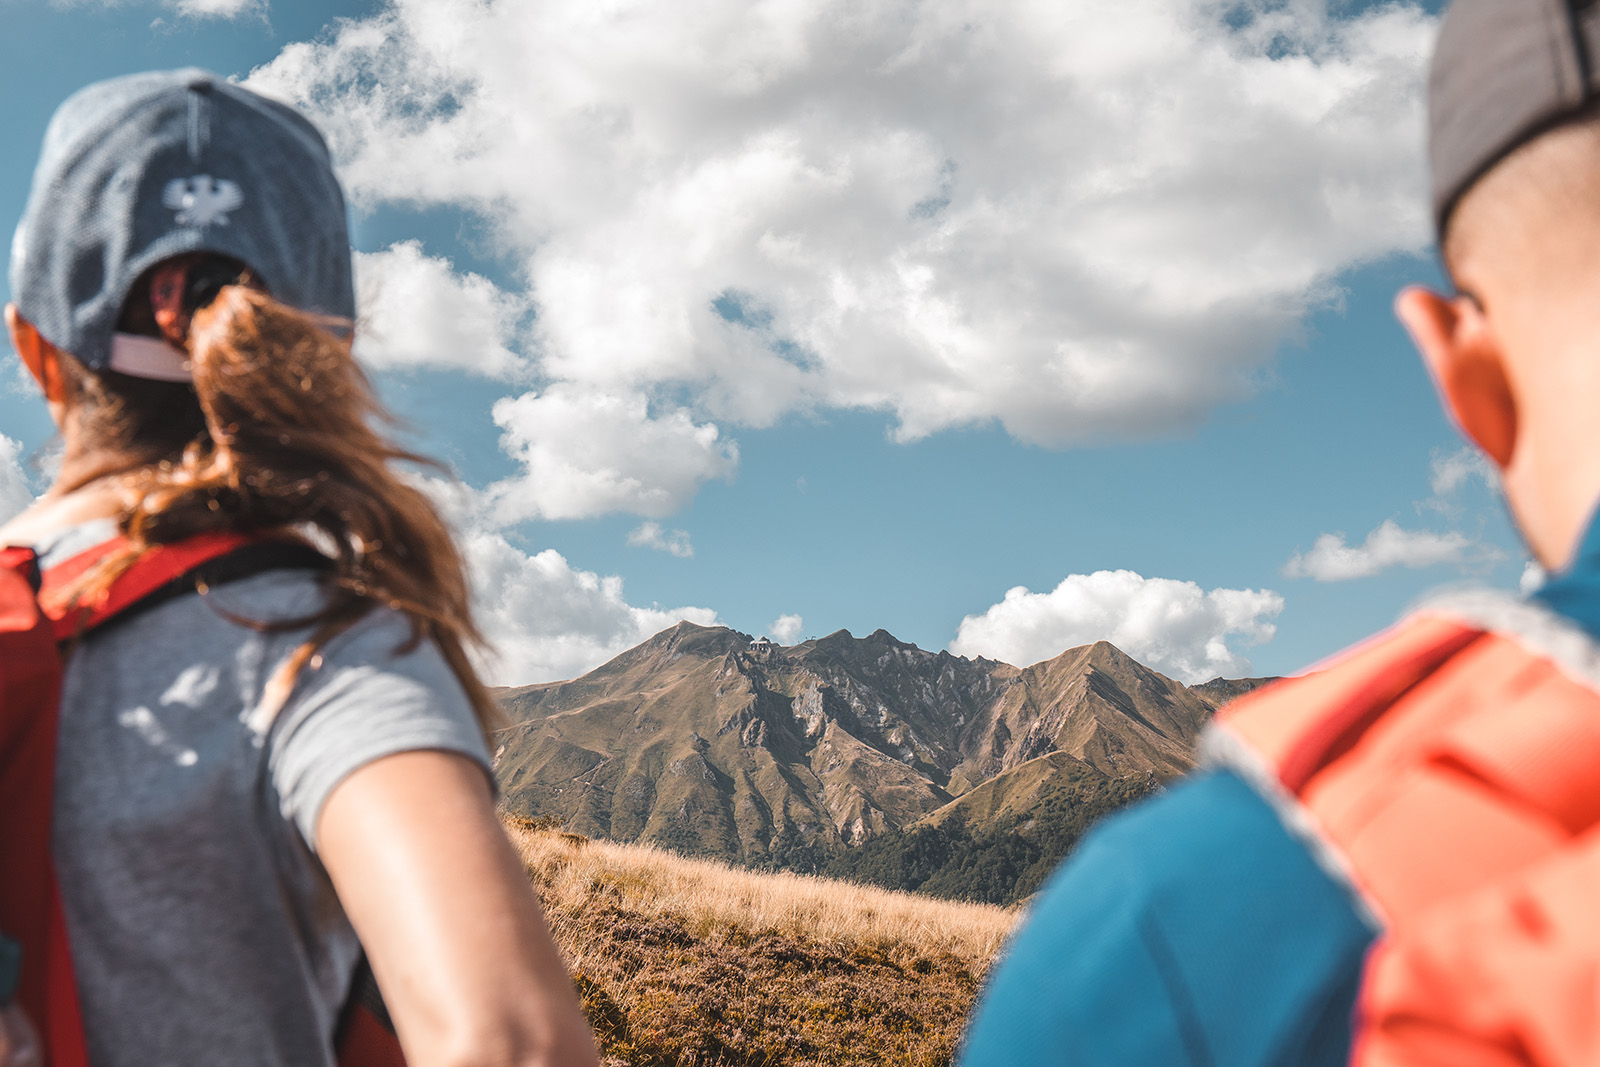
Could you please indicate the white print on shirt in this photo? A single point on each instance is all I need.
(143, 721)
(192, 686)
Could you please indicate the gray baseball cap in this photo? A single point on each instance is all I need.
(1504, 71)
(141, 168)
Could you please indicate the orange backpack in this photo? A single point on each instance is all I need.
(33, 625)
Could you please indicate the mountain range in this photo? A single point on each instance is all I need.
(704, 741)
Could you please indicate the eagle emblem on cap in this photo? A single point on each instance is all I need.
(201, 200)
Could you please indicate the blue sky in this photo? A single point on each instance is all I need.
(870, 315)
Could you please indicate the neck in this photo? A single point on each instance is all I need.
(85, 488)
(85, 461)
(54, 512)
(1553, 479)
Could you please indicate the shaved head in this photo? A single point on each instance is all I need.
(1531, 225)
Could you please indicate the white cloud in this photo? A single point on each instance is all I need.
(194, 9)
(786, 629)
(1175, 627)
(1450, 471)
(651, 535)
(547, 619)
(1332, 560)
(1081, 220)
(220, 9)
(14, 492)
(586, 453)
(551, 621)
(1533, 576)
(416, 311)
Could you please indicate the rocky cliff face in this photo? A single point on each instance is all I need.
(695, 741)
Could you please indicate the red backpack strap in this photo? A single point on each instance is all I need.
(30, 903)
(365, 1036)
(368, 1041)
(157, 566)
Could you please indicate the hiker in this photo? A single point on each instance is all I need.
(1395, 859)
(275, 761)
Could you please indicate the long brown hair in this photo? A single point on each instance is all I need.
(279, 434)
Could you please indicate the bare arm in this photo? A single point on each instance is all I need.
(441, 903)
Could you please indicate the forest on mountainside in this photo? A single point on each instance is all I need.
(1001, 863)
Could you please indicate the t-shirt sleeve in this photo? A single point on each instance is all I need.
(365, 700)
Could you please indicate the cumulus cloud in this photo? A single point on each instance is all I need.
(1174, 626)
(1332, 560)
(416, 311)
(550, 620)
(786, 629)
(547, 619)
(651, 535)
(586, 453)
(14, 492)
(956, 213)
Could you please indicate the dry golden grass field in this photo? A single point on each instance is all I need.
(688, 963)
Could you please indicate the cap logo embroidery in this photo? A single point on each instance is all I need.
(201, 200)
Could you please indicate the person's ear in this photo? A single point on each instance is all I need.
(1463, 355)
(37, 354)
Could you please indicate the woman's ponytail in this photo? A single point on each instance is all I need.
(290, 444)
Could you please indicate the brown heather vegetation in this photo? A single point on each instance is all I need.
(691, 963)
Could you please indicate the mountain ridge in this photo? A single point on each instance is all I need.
(703, 740)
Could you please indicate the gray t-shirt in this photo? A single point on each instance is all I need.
(204, 929)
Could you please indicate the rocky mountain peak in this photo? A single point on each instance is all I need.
(688, 637)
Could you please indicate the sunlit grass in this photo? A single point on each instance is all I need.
(694, 963)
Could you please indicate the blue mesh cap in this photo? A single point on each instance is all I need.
(140, 168)
(1503, 72)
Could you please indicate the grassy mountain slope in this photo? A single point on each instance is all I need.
(687, 962)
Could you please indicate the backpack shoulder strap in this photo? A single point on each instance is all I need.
(156, 567)
(1451, 751)
(30, 902)
(1300, 725)
(365, 1036)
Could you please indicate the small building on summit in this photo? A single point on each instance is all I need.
(761, 646)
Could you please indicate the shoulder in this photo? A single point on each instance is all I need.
(377, 689)
(282, 604)
(1294, 724)
(1466, 639)
(1194, 928)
